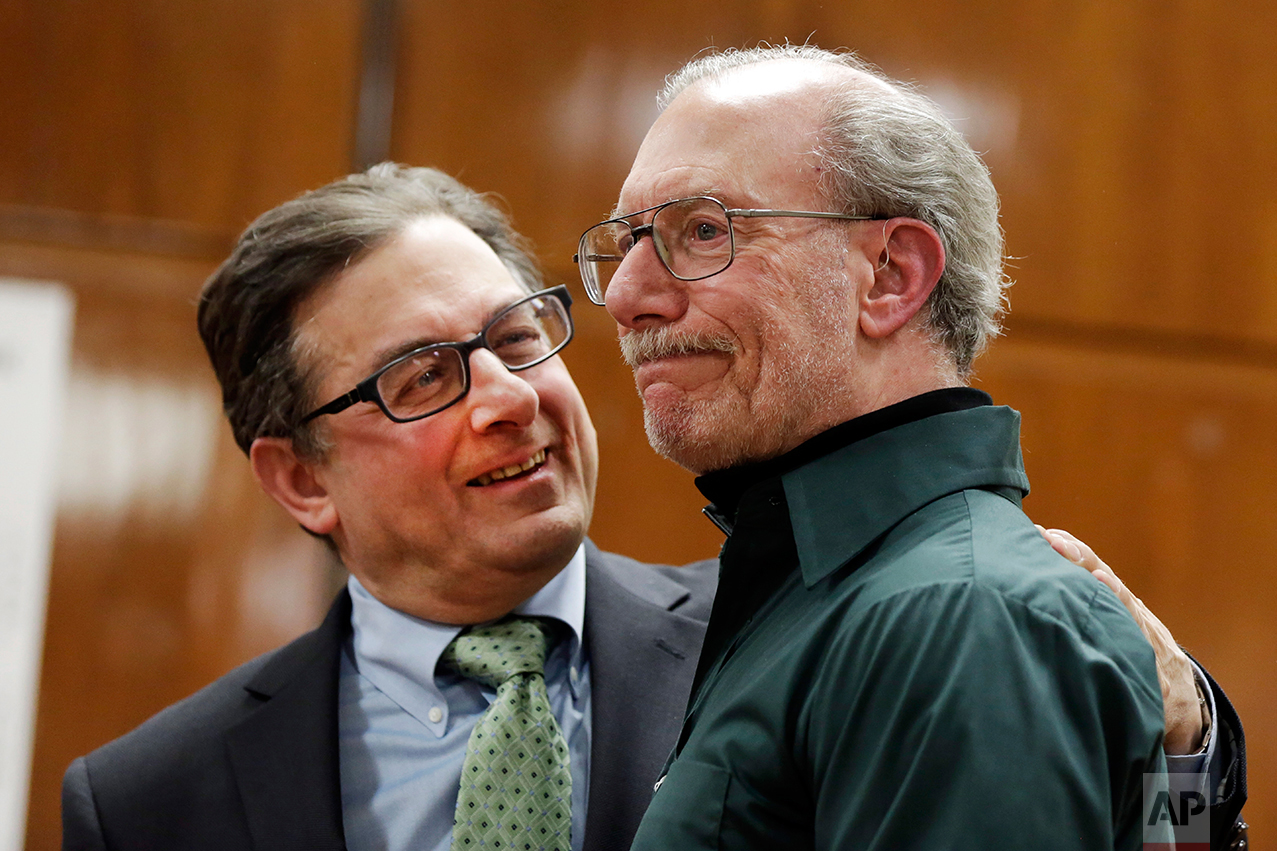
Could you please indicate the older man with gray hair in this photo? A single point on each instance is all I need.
(805, 262)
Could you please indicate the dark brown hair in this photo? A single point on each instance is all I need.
(246, 307)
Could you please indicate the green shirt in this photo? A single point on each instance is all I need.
(908, 664)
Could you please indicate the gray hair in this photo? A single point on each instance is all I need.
(888, 151)
(246, 307)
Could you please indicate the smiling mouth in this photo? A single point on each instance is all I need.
(509, 472)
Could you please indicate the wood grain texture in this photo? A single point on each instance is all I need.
(204, 112)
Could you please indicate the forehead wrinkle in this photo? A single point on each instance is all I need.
(737, 99)
(717, 191)
(398, 350)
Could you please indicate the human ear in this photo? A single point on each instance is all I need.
(292, 483)
(908, 267)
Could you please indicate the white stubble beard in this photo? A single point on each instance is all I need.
(796, 388)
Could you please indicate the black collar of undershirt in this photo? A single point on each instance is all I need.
(725, 488)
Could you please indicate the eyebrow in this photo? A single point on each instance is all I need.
(393, 353)
(715, 192)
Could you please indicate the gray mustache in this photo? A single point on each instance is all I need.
(638, 347)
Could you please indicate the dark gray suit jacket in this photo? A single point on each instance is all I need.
(251, 760)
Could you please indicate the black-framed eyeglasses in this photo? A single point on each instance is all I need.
(434, 377)
(693, 238)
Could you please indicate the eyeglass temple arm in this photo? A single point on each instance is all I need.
(337, 405)
(797, 214)
(595, 258)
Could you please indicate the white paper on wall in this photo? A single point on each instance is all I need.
(35, 344)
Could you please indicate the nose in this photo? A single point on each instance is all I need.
(642, 292)
(499, 398)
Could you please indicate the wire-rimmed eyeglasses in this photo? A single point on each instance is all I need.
(693, 238)
(434, 377)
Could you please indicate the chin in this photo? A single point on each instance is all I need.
(696, 450)
(553, 536)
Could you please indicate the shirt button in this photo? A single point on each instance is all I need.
(435, 715)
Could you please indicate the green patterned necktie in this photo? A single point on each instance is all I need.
(516, 790)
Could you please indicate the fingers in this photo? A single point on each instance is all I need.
(1072, 549)
(1083, 556)
(1184, 727)
(1110, 579)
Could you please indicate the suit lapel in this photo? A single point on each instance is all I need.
(642, 660)
(285, 755)
(643, 654)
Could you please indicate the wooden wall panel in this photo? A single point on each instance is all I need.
(544, 104)
(204, 113)
(1146, 198)
(1132, 143)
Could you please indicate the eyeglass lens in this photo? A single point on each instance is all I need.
(693, 238)
(433, 378)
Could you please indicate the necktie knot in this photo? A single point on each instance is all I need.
(493, 654)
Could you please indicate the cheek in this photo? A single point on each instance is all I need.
(750, 301)
(561, 402)
(405, 458)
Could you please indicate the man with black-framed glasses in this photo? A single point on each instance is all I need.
(803, 263)
(432, 378)
(489, 678)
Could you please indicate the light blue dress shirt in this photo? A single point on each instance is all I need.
(403, 727)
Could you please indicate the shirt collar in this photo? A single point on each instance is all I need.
(841, 502)
(398, 653)
(725, 488)
(563, 598)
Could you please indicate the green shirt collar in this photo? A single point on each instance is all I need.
(843, 501)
